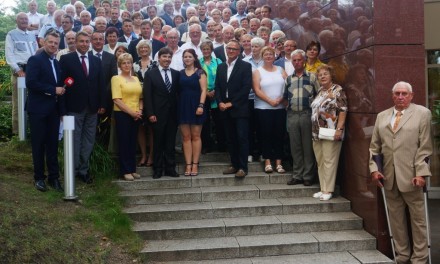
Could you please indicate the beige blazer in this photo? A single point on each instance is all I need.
(404, 151)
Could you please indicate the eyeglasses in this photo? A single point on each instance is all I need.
(231, 49)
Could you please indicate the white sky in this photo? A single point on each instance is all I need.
(7, 3)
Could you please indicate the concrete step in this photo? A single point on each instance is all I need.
(221, 193)
(203, 180)
(208, 157)
(239, 208)
(346, 257)
(259, 245)
(204, 168)
(245, 226)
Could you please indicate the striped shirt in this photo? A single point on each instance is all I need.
(300, 91)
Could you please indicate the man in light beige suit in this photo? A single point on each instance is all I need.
(403, 135)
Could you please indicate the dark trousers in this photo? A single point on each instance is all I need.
(272, 125)
(237, 130)
(126, 131)
(44, 139)
(164, 137)
(254, 142)
(207, 141)
(219, 128)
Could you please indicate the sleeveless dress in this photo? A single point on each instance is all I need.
(190, 99)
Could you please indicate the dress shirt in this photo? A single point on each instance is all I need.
(46, 19)
(53, 69)
(128, 39)
(393, 118)
(176, 60)
(288, 67)
(162, 73)
(34, 19)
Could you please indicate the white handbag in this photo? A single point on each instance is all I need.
(326, 133)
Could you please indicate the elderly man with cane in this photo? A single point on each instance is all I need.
(402, 138)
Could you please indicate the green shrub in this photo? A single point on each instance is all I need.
(5, 76)
(5, 121)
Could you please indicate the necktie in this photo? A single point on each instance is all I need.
(167, 80)
(396, 122)
(53, 69)
(99, 55)
(84, 66)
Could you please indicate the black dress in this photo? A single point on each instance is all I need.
(190, 99)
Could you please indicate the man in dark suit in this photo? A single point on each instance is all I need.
(83, 100)
(109, 69)
(160, 90)
(108, 64)
(156, 45)
(127, 32)
(232, 85)
(44, 84)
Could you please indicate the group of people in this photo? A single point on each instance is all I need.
(243, 74)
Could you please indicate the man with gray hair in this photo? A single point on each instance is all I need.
(184, 27)
(57, 18)
(48, 18)
(300, 89)
(227, 35)
(34, 18)
(402, 136)
(19, 46)
(172, 39)
(195, 34)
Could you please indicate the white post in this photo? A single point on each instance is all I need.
(21, 92)
(69, 177)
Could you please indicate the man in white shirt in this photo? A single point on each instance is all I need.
(195, 34)
(51, 6)
(34, 18)
(172, 39)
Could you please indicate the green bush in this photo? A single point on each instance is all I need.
(5, 76)
(5, 121)
(436, 120)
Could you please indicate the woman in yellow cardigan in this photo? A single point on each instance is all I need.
(128, 105)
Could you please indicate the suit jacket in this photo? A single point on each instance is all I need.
(41, 84)
(404, 152)
(280, 62)
(238, 87)
(109, 69)
(220, 53)
(156, 45)
(87, 91)
(157, 100)
(122, 38)
(168, 20)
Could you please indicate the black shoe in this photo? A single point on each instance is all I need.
(40, 185)
(86, 178)
(308, 183)
(55, 184)
(294, 181)
(172, 173)
(157, 176)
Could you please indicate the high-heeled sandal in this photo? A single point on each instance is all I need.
(197, 172)
(188, 172)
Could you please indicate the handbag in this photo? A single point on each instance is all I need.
(326, 133)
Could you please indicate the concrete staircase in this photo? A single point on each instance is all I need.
(215, 218)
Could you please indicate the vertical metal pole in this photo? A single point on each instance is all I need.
(69, 177)
(21, 92)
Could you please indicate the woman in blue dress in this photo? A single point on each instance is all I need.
(193, 87)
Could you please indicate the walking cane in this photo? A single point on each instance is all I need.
(382, 189)
(425, 195)
(378, 159)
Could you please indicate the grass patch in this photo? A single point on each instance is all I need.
(38, 227)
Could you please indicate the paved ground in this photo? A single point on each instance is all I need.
(434, 215)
